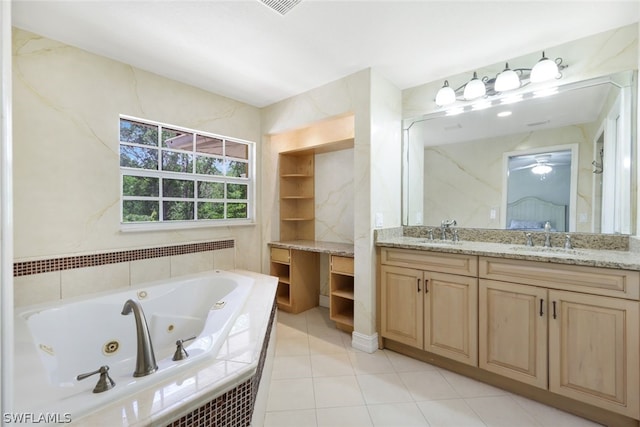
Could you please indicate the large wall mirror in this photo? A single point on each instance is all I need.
(565, 157)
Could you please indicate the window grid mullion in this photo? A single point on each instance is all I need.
(192, 176)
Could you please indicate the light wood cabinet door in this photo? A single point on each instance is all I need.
(513, 331)
(402, 305)
(451, 316)
(593, 343)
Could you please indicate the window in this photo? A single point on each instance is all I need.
(171, 174)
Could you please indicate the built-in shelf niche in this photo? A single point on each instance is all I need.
(296, 165)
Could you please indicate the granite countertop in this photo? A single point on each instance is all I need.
(333, 248)
(588, 257)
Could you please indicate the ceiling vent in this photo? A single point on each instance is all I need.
(281, 6)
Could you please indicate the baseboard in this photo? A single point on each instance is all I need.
(366, 343)
(324, 301)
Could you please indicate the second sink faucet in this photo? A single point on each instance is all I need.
(444, 226)
(145, 358)
(547, 234)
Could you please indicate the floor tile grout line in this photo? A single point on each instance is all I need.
(397, 368)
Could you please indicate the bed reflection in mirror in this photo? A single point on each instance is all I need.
(539, 190)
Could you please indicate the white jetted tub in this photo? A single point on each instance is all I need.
(57, 342)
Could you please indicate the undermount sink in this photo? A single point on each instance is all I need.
(436, 242)
(542, 249)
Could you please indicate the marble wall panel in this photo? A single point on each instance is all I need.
(334, 196)
(36, 288)
(597, 55)
(149, 270)
(66, 155)
(191, 263)
(89, 280)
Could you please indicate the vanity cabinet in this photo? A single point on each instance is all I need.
(298, 279)
(513, 331)
(426, 305)
(572, 330)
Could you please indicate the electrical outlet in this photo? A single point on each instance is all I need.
(379, 219)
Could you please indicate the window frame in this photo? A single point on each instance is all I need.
(192, 176)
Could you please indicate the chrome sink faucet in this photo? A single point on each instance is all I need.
(547, 234)
(444, 226)
(145, 358)
(529, 237)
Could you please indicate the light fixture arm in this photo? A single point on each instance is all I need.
(523, 75)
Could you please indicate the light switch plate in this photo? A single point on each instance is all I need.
(379, 219)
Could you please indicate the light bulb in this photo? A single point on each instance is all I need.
(541, 169)
(507, 80)
(544, 70)
(475, 88)
(446, 95)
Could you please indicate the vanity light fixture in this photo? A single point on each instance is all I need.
(475, 88)
(508, 80)
(446, 95)
(544, 70)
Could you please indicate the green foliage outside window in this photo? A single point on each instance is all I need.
(164, 179)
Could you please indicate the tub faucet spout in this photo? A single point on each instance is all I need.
(145, 359)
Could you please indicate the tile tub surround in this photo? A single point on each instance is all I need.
(46, 280)
(620, 259)
(229, 375)
(24, 268)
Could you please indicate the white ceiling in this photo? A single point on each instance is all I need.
(248, 52)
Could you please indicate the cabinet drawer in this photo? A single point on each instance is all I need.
(590, 280)
(466, 265)
(280, 255)
(341, 264)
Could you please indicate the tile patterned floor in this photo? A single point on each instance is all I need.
(319, 380)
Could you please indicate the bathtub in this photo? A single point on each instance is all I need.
(55, 343)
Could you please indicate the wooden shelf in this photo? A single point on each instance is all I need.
(346, 294)
(341, 300)
(283, 295)
(297, 195)
(345, 319)
(295, 175)
(298, 279)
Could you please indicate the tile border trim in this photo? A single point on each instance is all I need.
(25, 268)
